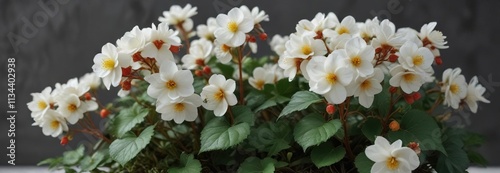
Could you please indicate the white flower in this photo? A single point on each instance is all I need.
(222, 52)
(433, 37)
(414, 58)
(409, 81)
(170, 82)
(207, 31)
(180, 109)
(368, 29)
(475, 93)
(275, 71)
(318, 24)
(40, 104)
(367, 87)
(256, 15)
(329, 77)
(53, 124)
(178, 15)
(386, 35)
(291, 66)
(391, 158)
(336, 41)
(278, 44)
(108, 65)
(72, 108)
(131, 42)
(454, 87)
(218, 94)
(199, 54)
(232, 27)
(160, 40)
(359, 56)
(304, 46)
(72, 87)
(260, 78)
(347, 26)
(90, 80)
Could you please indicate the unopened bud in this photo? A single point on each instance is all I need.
(393, 58)
(263, 36)
(330, 109)
(394, 125)
(415, 147)
(104, 113)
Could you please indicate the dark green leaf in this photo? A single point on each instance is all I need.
(313, 130)
(363, 164)
(256, 165)
(371, 128)
(72, 157)
(122, 150)
(128, 118)
(226, 70)
(188, 165)
(218, 134)
(271, 137)
(456, 159)
(382, 100)
(243, 114)
(52, 162)
(286, 88)
(326, 155)
(300, 101)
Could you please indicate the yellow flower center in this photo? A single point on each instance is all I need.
(418, 60)
(343, 30)
(356, 61)
(170, 84)
(259, 84)
(179, 107)
(366, 85)
(331, 78)
(108, 64)
(232, 26)
(392, 163)
(225, 48)
(454, 88)
(42, 105)
(219, 95)
(54, 124)
(72, 107)
(306, 49)
(409, 77)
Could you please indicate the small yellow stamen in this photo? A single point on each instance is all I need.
(418, 60)
(306, 49)
(343, 30)
(356, 61)
(331, 78)
(409, 77)
(42, 105)
(170, 85)
(179, 107)
(260, 84)
(225, 48)
(54, 124)
(232, 26)
(72, 107)
(366, 85)
(392, 163)
(108, 64)
(454, 88)
(219, 95)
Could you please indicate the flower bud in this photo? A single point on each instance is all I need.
(409, 99)
(207, 70)
(64, 140)
(330, 109)
(126, 71)
(393, 89)
(415, 147)
(198, 73)
(263, 36)
(393, 58)
(378, 50)
(126, 85)
(104, 113)
(174, 49)
(438, 60)
(251, 38)
(88, 96)
(416, 95)
(394, 125)
(137, 57)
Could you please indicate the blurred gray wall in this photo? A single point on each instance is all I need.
(64, 43)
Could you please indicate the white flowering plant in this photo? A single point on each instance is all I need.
(334, 96)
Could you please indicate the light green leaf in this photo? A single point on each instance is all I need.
(256, 165)
(89, 163)
(313, 130)
(128, 118)
(189, 165)
(72, 157)
(123, 150)
(300, 101)
(326, 155)
(418, 126)
(218, 134)
(363, 164)
(371, 128)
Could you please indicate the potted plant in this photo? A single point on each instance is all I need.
(336, 95)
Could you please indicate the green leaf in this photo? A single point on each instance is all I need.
(123, 150)
(128, 118)
(477, 158)
(271, 137)
(256, 165)
(189, 165)
(52, 162)
(89, 163)
(363, 164)
(225, 70)
(72, 157)
(455, 159)
(300, 101)
(313, 130)
(198, 84)
(287, 88)
(371, 128)
(382, 100)
(418, 126)
(218, 134)
(326, 155)
(243, 114)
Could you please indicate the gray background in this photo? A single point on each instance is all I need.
(63, 48)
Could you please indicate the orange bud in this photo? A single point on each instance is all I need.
(104, 113)
(394, 125)
(64, 140)
(330, 109)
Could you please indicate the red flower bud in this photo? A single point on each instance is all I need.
(174, 49)
(409, 99)
(126, 71)
(393, 89)
(207, 70)
(415, 147)
(330, 109)
(416, 95)
(137, 57)
(198, 73)
(393, 58)
(88, 96)
(126, 85)
(263, 36)
(394, 125)
(64, 140)
(104, 113)
(378, 50)
(438, 60)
